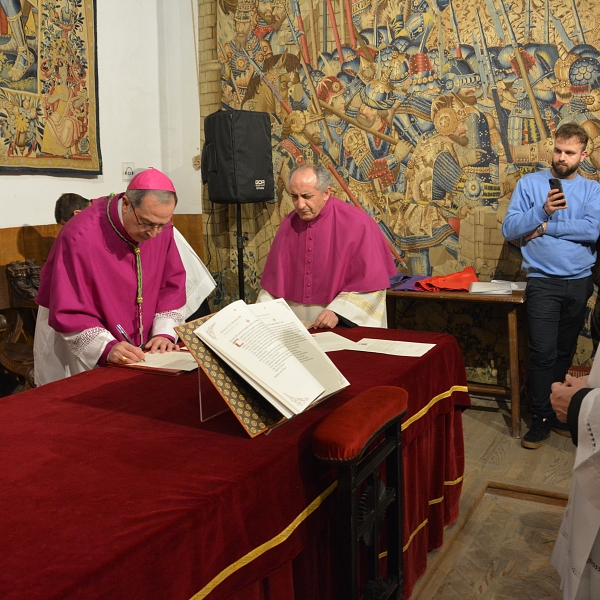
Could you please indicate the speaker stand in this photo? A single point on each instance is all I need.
(240, 249)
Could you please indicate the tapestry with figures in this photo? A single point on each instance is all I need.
(48, 87)
(426, 112)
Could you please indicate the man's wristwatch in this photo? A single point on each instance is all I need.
(541, 229)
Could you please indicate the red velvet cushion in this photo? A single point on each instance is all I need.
(343, 435)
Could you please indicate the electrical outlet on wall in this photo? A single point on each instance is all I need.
(128, 169)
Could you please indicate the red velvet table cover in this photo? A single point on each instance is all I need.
(112, 488)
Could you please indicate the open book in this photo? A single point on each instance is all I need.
(267, 347)
(167, 363)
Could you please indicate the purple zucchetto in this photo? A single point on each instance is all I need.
(151, 179)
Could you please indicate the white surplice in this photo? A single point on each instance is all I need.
(365, 309)
(199, 283)
(576, 555)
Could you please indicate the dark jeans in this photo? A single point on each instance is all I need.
(555, 313)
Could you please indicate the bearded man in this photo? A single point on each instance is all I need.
(558, 232)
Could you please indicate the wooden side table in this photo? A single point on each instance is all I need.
(511, 303)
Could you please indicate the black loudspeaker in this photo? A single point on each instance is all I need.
(237, 160)
(237, 165)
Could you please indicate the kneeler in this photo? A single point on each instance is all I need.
(357, 438)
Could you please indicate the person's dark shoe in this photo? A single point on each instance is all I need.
(540, 430)
(560, 428)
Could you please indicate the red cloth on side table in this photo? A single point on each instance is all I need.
(455, 282)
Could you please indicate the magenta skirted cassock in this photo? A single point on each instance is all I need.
(89, 280)
(341, 250)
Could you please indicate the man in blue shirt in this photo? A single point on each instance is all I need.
(558, 232)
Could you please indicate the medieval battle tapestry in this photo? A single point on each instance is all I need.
(426, 113)
(48, 87)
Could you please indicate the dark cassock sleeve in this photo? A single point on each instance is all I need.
(573, 413)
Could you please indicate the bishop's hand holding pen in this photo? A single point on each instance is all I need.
(126, 352)
(123, 353)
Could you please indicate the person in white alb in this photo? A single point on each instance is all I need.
(576, 555)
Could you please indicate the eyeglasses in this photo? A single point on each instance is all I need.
(150, 226)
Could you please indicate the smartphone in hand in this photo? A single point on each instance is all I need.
(556, 184)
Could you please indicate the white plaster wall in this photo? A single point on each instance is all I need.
(141, 48)
(179, 101)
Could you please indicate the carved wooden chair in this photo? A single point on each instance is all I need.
(16, 357)
(23, 283)
(17, 324)
(358, 438)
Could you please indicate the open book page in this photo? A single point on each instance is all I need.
(393, 348)
(285, 326)
(244, 340)
(257, 385)
(180, 361)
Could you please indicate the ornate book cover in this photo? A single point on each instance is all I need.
(255, 414)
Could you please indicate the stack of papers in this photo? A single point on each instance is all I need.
(496, 286)
(491, 287)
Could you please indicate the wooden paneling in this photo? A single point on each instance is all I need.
(11, 245)
(19, 243)
(38, 240)
(190, 227)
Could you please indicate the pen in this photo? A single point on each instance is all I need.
(123, 333)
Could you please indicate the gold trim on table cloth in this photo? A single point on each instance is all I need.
(314, 505)
(278, 539)
(434, 400)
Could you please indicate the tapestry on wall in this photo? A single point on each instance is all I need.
(426, 112)
(48, 87)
